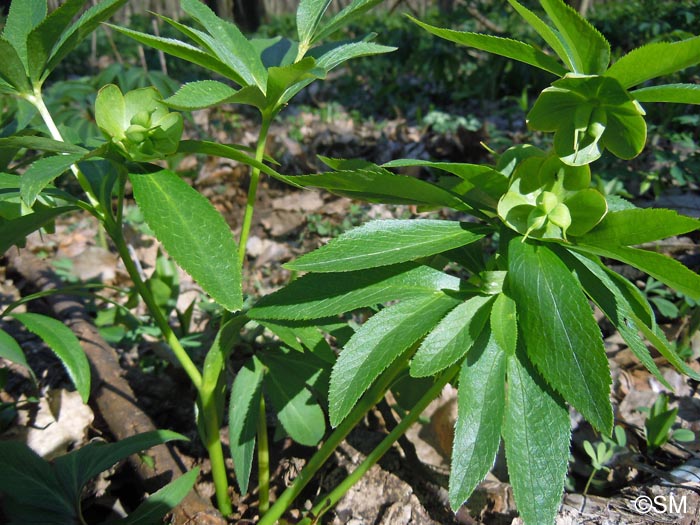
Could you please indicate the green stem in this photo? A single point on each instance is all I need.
(327, 502)
(216, 453)
(37, 101)
(371, 398)
(253, 189)
(263, 462)
(170, 338)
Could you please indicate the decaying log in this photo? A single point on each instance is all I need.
(111, 394)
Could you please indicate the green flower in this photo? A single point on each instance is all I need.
(138, 123)
(589, 114)
(548, 199)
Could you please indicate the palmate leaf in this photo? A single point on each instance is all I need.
(480, 408)
(453, 337)
(679, 93)
(588, 50)
(655, 60)
(62, 342)
(244, 411)
(536, 431)
(386, 242)
(316, 296)
(193, 232)
(377, 344)
(500, 46)
(559, 332)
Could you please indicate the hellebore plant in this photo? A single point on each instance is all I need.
(515, 331)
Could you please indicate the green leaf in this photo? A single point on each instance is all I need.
(607, 293)
(11, 68)
(42, 173)
(161, 502)
(16, 230)
(201, 94)
(546, 32)
(655, 60)
(43, 37)
(658, 339)
(386, 242)
(81, 28)
(679, 93)
(24, 16)
(480, 407)
(39, 143)
(638, 226)
(588, 49)
(453, 337)
(377, 344)
(379, 186)
(290, 378)
(560, 334)
(244, 411)
(341, 52)
(350, 12)
(309, 14)
(504, 325)
(185, 51)
(500, 46)
(227, 151)
(283, 82)
(228, 44)
(63, 342)
(193, 232)
(10, 350)
(316, 296)
(536, 432)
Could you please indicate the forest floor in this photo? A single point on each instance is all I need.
(409, 486)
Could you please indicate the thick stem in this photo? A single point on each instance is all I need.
(327, 502)
(263, 462)
(253, 189)
(371, 398)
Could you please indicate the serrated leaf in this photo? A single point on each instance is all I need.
(289, 382)
(480, 407)
(201, 94)
(193, 232)
(546, 32)
(16, 230)
(283, 82)
(678, 93)
(42, 38)
(10, 350)
(309, 14)
(561, 337)
(536, 432)
(504, 323)
(244, 411)
(588, 49)
(379, 186)
(62, 342)
(82, 27)
(638, 226)
(606, 293)
(24, 15)
(661, 267)
(506, 47)
(158, 504)
(228, 151)
(386, 242)
(229, 45)
(330, 57)
(350, 12)
(658, 339)
(377, 344)
(11, 68)
(43, 172)
(316, 296)
(655, 60)
(453, 337)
